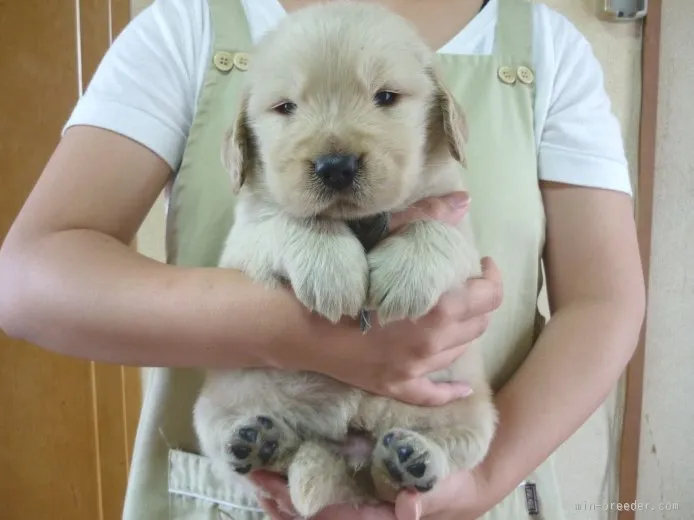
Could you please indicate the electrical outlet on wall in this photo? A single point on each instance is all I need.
(625, 10)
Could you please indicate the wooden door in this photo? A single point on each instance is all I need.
(66, 425)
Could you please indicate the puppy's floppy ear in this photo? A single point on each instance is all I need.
(238, 149)
(448, 118)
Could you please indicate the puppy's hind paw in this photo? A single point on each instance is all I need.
(408, 460)
(259, 442)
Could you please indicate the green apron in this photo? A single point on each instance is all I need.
(169, 480)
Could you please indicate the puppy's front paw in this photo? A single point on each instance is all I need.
(410, 271)
(408, 460)
(259, 442)
(329, 274)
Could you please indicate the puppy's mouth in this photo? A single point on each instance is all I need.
(337, 181)
(343, 205)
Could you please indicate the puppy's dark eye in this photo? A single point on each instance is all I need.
(385, 98)
(285, 108)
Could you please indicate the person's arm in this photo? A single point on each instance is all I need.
(594, 278)
(69, 281)
(594, 275)
(597, 301)
(72, 284)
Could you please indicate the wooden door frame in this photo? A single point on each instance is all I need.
(116, 390)
(633, 404)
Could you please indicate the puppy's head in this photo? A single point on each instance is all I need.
(342, 111)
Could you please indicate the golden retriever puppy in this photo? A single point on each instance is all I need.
(344, 117)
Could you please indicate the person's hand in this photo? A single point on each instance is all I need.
(456, 498)
(459, 497)
(450, 209)
(278, 505)
(394, 360)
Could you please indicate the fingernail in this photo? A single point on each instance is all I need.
(458, 200)
(417, 510)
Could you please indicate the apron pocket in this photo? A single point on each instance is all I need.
(195, 494)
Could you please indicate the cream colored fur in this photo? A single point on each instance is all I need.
(330, 60)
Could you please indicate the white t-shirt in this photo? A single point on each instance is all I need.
(147, 86)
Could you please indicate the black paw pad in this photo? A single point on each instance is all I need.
(267, 451)
(393, 470)
(240, 451)
(265, 422)
(242, 470)
(248, 434)
(404, 453)
(423, 488)
(417, 469)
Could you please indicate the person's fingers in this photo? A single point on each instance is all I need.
(477, 298)
(411, 505)
(373, 513)
(442, 360)
(490, 271)
(450, 208)
(276, 487)
(408, 506)
(349, 512)
(272, 510)
(492, 274)
(273, 483)
(424, 392)
(279, 505)
(465, 332)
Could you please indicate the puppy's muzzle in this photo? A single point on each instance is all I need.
(335, 171)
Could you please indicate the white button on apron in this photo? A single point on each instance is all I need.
(224, 61)
(525, 75)
(241, 60)
(507, 75)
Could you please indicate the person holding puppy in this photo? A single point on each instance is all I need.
(552, 187)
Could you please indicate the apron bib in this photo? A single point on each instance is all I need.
(168, 479)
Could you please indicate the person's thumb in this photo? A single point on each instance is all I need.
(448, 208)
(424, 392)
(408, 506)
(275, 487)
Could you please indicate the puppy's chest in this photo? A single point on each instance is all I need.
(371, 230)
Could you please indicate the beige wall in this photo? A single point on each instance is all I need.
(138, 5)
(586, 462)
(667, 454)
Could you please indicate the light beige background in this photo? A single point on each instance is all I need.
(587, 462)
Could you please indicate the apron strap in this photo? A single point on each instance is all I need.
(231, 42)
(514, 30)
(230, 25)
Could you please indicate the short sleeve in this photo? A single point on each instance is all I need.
(146, 85)
(581, 141)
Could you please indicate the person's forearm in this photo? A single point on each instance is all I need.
(83, 294)
(572, 368)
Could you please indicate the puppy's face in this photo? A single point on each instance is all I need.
(341, 112)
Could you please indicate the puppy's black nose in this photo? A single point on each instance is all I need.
(337, 171)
